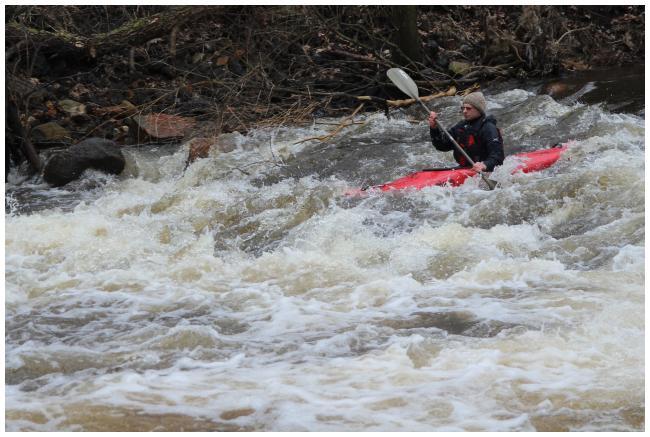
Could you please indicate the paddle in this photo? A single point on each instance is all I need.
(408, 87)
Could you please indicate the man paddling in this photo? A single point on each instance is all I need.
(477, 134)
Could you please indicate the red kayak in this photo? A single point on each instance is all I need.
(530, 161)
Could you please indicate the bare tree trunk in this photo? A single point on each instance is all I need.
(408, 38)
(12, 120)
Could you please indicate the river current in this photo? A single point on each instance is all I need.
(247, 292)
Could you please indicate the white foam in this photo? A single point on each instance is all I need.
(200, 292)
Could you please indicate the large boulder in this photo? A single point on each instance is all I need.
(96, 153)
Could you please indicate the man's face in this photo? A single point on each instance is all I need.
(470, 112)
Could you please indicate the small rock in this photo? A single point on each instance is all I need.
(76, 110)
(124, 109)
(459, 68)
(49, 135)
(78, 90)
(199, 148)
(198, 57)
(120, 133)
(71, 107)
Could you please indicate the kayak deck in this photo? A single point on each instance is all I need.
(530, 162)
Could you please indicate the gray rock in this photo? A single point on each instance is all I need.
(459, 68)
(72, 108)
(96, 153)
(76, 111)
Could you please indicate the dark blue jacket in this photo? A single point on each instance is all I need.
(480, 138)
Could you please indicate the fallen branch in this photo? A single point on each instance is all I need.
(406, 102)
(354, 56)
(571, 31)
(474, 87)
(345, 123)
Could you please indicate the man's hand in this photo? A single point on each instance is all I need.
(479, 166)
(432, 120)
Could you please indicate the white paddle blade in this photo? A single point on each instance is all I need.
(404, 82)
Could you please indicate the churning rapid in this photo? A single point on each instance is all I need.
(248, 293)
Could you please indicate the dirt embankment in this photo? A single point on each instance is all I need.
(76, 72)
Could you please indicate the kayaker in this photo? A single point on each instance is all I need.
(477, 134)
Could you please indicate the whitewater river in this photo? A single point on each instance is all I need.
(248, 293)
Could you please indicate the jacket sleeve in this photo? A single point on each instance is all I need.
(494, 146)
(441, 141)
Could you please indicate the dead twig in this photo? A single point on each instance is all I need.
(569, 32)
(345, 123)
(406, 102)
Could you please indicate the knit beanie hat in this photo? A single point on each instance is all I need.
(477, 100)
